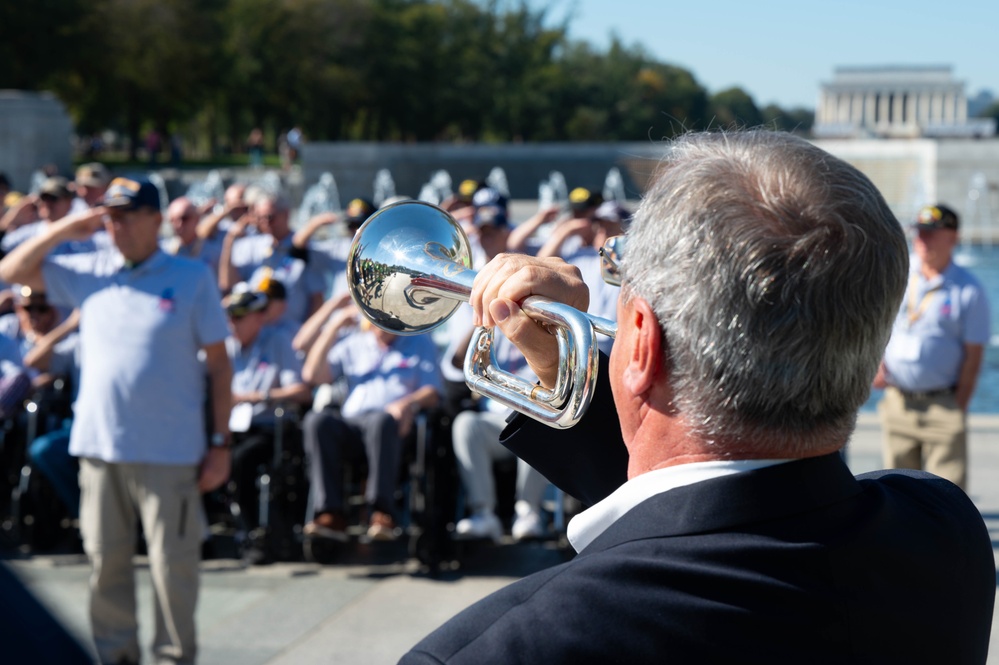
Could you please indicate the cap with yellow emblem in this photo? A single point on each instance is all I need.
(936, 217)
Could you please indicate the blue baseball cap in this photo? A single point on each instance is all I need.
(488, 196)
(491, 216)
(936, 216)
(131, 193)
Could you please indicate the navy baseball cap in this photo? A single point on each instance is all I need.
(467, 189)
(243, 301)
(131, 193)
(358, 210)
(581, 199)
(491, 216)
(488, 196)
(936, 217)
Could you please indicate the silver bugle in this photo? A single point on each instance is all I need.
(408, 270)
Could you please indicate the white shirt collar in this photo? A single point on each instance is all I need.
(585, 527)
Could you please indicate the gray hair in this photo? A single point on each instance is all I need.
(775, 271)
(277, 199)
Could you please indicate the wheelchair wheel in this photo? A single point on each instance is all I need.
(323, 551)
(40, 521)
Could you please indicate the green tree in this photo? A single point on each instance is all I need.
(142, 63)
(991, 111)
(38, 40)
(797, 120)
(734, 108)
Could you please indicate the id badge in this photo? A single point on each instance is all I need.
(907, 348)
(240, 417)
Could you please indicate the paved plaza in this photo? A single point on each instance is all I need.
(370, 611)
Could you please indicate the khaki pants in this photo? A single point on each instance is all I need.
(928, 434)
(166, 501)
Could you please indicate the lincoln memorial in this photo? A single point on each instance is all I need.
(896, 102)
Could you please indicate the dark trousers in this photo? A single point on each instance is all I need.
(252, 452)
(50, 455)
(331, 440)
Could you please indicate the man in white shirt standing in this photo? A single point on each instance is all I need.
(933, 360)
(139, 427)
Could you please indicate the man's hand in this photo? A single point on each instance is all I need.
(238, 228)
(206, 208)
(21, 213)
(403, 412)
(214, 469)
(550, 214)
(881, 378)
(507, 281)
(82, 225)
(324, 219)
(346, 315)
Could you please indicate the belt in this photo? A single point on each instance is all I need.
(927, 394)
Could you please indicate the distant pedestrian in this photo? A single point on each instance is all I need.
(255, 147)
(933, 360)
(295, 140)
(154, 143)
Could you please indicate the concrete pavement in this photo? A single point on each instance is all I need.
(370, 611)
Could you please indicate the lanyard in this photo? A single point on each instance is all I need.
(913, 310)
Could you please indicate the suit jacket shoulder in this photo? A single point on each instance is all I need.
(794, 563)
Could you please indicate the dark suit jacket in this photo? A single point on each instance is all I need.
(29, 632)
(795, 563)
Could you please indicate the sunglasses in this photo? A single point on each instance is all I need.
(238, 313)
(37, 309)
(611, 255)
(48, 198)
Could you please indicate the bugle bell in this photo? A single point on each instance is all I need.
(408, 270)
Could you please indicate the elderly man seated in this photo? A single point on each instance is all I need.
(266, 372)
(50, 350)
(271, 255)
(389, 379)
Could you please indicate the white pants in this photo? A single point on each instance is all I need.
(476, 446)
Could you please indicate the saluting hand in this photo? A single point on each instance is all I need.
(82, 225)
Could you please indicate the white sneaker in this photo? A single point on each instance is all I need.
(480, 525)
(528, 524)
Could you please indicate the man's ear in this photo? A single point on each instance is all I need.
(645, 355)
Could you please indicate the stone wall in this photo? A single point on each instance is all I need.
(961, 173)
(354, 165)
(909, 172)
(35, 130)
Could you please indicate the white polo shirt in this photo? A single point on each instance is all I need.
(142, 387)
(377, 376)
(269, 362)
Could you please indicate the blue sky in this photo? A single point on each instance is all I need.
(780, 51)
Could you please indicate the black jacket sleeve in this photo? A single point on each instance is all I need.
(588, 461)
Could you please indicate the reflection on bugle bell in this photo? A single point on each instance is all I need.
(409, 269)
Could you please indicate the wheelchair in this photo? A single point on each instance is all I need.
(281, 490)
(424, 500)
(35, 518)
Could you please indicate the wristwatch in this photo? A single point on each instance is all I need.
(220, 440)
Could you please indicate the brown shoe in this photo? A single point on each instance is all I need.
(382, 526)
(332, 526)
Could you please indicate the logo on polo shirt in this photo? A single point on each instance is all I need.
(167, 301)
